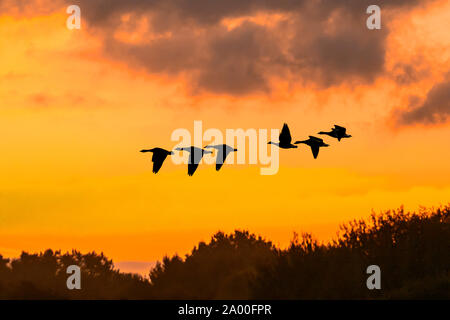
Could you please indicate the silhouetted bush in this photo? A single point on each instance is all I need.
(43, 276)
(221, 269)
(412, 250)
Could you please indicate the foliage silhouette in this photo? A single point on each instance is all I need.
(412, 250)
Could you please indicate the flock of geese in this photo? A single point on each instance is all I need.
(223, 150)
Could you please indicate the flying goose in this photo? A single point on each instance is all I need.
(315, 144)
(337, 132)
(285, 139)
(159, 155)
(223, 151)
(196, 154)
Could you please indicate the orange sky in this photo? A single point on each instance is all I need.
(72, 120)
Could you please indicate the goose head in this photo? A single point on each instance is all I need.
(147, 150)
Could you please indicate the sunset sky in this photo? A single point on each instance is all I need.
(76, 106)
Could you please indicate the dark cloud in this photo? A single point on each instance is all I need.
(324, 43)
(319, 42)
(434, 109)
(182, 12)
(342, 56)
(405, 74)
(238, 61)
(207, 12)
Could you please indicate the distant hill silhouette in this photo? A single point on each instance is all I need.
(412, 250)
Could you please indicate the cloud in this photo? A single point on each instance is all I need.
(434, 109)
(321, 43)
(206, 13)
(28, 7)
(405, 73)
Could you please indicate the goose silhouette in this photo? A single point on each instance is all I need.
(315, 144)
(196, 154)
(285, 139)
(337, 132)
(223, 151)
(159, 155)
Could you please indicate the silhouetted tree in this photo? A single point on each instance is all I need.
(412, 250)
(219, 270)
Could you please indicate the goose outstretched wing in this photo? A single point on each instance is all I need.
(191, 168)
(315, 139)
(340, 129)
(158, 160)
(221, 156)
(315, 151)
(285, 135)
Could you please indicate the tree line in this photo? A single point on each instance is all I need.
(411, 249)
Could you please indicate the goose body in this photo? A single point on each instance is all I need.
(159, 155)
(285, 139)
(223, 151)
(196, 155)
(315, 144)
(337, 132)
